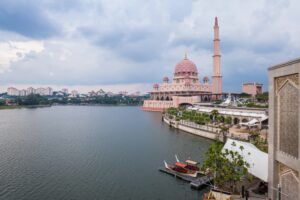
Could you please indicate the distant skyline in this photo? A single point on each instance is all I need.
(129, 45)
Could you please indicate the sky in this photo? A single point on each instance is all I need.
(128, 45)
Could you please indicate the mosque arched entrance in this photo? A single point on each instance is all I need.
(184, 105)
(236, 120)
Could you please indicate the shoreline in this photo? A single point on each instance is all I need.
(6, 107)
(192, 130)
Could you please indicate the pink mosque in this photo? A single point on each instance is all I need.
(185, 88)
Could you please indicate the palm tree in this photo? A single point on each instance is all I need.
(214, 114)
(224, 130)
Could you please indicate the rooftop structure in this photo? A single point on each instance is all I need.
(253, 88)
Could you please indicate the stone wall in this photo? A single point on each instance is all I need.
(192, 130)
(284, 140)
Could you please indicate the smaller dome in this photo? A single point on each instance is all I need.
(205, 79)
(155, 86)
(165, 78)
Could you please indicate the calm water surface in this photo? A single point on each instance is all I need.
(91, 152)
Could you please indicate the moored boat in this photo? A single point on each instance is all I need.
(181, 169)
(190, 165)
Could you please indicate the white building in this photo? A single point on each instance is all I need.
(40, 91)
(30, 90)
(11, 91)
(22, 92)
(65, 91)
(48, 91)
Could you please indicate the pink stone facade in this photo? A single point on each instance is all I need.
(185, 87)
(253, 88)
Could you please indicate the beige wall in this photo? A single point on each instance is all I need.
(284, 137)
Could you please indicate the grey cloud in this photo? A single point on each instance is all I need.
(25, 18)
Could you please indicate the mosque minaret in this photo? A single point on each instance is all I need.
(185, 87)
(216, 77)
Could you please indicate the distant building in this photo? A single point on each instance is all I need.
(74, 93)
(30, 90)
(253, 88)
(65, 91)
(11, 91)
(40, 91)
(48, 91)
(284, 135)
(100, 92)
(92, 93)
(22, 93)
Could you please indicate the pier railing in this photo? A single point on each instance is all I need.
(206, 128)
(194, 125)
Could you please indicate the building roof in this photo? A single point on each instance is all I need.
(165, 78)
(186, 66)
(290, 62)
(257, 159)
(254, 83)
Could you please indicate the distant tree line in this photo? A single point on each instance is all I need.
(36, 99)
(32, 99)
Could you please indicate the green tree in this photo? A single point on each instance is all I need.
(264, 97)
(228, 120)
(223, 132)
(227, 166)
(2, 102)
(214, 114)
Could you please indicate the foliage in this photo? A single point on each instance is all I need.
(228, 120)
(214, 114)
(264, 97)
(223, 131)
(253, 105)
(32, 99)
(172, 111)
(260, 143)
(245, 95)
(2, 102)
(228, 166)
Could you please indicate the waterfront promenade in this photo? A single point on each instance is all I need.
(209, 131)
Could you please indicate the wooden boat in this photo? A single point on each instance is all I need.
(190, 165)
(181, 169)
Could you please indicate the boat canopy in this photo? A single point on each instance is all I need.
(191, 162)
(179, 164)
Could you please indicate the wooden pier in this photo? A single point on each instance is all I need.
(196, 182)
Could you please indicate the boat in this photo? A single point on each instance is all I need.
(190, 165)
(180, 168)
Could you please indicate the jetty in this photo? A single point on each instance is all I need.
(195, 182)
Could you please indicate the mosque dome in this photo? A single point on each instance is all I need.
(205, 79)
(155, 86)
(186, 67)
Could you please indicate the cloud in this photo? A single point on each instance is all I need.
(13, 51)
(138, 42)
(27, 19)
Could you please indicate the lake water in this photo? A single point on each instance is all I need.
(92, 152)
